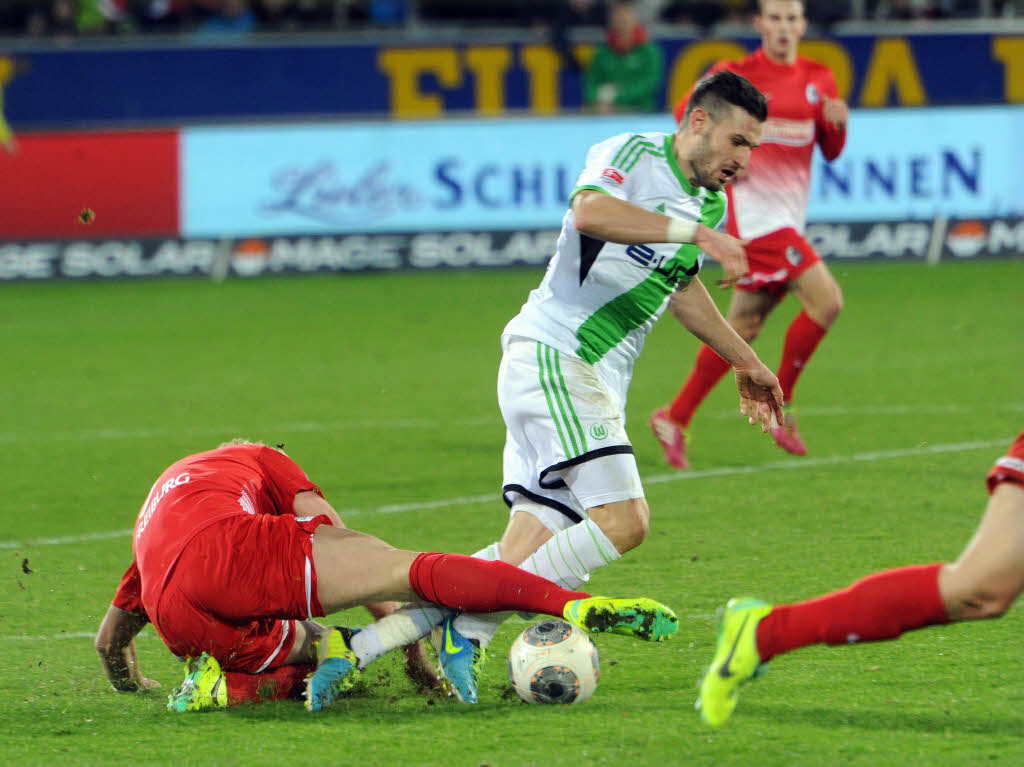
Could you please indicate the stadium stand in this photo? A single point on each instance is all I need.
(57, 18)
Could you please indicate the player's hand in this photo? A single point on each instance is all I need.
(123, 673)
(148, 684)
(760, 396)
(728, 251)
(836, 113)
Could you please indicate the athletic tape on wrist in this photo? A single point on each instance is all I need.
(680, 230)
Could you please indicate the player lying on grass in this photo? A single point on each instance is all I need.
(642, 213)
(236, 551)
(982, 583)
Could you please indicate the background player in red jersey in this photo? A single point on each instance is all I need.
(236, 551)
(983, 583)
(768, 207)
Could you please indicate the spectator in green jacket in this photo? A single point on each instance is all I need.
(625, 73)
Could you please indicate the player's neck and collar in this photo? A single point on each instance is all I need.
(680, 166)
(775, 59)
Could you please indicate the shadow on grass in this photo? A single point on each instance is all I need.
(829, 718)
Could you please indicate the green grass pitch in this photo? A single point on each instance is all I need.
(383, 388)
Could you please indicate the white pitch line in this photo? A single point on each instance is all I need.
(85, 537)
(315, 427)
(230, 430)
(656, 479)
(70, 635)
(800, 463)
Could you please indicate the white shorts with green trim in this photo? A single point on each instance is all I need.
(566, 448)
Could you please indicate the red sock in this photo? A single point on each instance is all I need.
(881, 606)
(277, 684)
(802, 339)
(707, 371)
(477, 586)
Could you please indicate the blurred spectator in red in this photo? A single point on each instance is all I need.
(626, 71)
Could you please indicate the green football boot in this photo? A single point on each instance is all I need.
(736, 660)
(204, 687)
(641, 618)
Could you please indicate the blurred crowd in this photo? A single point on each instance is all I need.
(106, 17)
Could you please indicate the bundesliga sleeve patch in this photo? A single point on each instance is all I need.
(613, 175)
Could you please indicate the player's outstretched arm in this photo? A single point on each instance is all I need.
(760, 393)
(115, 643)
(613, 220)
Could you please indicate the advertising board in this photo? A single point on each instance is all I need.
(249, 258)
(508, 174)
(89, 185)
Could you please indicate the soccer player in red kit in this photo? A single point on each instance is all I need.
(983, 583)
(236, 551)
(768, 207)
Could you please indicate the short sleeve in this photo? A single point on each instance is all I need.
(285, 479)
(129, 593)
(610, 165)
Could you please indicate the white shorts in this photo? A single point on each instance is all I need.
(566, 448)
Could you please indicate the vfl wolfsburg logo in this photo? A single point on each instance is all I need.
(598, 431)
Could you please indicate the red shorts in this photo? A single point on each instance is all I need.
(1009, 468)
(775, 260)
(236, 589)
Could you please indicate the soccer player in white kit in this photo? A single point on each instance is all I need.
(642, 213)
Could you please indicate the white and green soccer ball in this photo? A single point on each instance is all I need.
(554, 662)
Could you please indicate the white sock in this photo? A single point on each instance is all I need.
(410, 622)
(567, 559)
(406, 625)
(491, 552)
(570, 556)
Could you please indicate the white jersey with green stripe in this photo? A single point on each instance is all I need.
(599, 300)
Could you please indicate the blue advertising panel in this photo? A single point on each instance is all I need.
(518, 173)
(387, 177)
(920, 163)
(183, 83)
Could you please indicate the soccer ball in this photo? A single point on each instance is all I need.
(553, 662)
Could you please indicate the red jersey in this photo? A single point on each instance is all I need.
(194, 493)
(773, 193)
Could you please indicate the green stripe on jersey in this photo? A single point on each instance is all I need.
(626, 148)
(608, 326)
(630, 160)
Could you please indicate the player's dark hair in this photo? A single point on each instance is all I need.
(714, 92)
